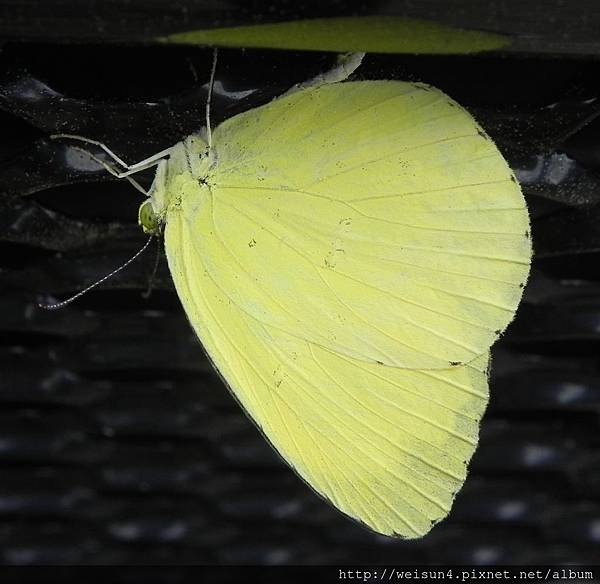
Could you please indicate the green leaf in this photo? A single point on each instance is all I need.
(372, 34)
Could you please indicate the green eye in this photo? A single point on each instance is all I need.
(148, 219)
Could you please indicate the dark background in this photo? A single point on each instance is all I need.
(118, 443)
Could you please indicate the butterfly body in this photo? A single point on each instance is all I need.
(347, 254)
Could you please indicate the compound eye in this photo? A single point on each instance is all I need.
(148, 219)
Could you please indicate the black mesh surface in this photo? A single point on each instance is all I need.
(119, 444)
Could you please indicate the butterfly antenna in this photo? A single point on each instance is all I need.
(152, 278)
(209, 98)
(100, 281)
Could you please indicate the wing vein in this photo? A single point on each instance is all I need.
(415, 393)
(318, 270)
(385, 157)
(401, 409)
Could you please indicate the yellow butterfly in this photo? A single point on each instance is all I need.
(347, 254)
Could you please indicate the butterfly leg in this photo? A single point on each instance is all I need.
(112, 170)
(130, 168)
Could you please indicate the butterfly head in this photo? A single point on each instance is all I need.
(185, 168)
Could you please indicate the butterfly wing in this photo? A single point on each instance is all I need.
(352, 245)
(372, 218)
(387, 446)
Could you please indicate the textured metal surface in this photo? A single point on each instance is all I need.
(118, 444)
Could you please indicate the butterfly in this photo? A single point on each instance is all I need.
(347, 254)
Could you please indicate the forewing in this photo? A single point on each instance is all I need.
(387, 446)
(372, 218)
